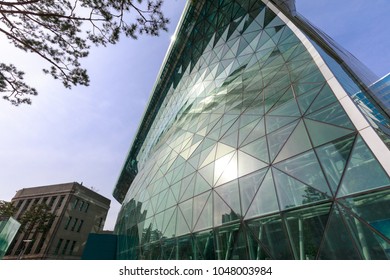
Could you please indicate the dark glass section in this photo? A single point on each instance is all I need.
(337, 241)
(363, 171)
(305, 228)
(271, 233)
(370, 245)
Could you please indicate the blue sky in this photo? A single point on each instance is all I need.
(84, 135)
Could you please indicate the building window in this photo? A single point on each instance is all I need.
(74, 224)
(86, 207)
(19, 204)
(80, 225)
(53, 198)
(58, 246)
(81, 205)
(100, 223)
(26, 204)
(61, 200)
(28, 246)
(44, 201)
(75, 203)
(40, 245)
(65, 247)
(68, 222)
(72, 248)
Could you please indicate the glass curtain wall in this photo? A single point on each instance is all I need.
(8, 229)
(249, 154)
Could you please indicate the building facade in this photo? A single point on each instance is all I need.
(78, 211)
(255, 145)
(381, 89)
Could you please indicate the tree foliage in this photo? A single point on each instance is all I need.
(37, 219)
(7, 209)
(62, 31)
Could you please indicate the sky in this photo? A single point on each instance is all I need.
(84, 134)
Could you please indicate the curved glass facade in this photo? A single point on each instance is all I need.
(248, 149)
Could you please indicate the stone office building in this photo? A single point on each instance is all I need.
(78, 211)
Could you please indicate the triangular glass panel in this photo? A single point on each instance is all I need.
(170, 230)
(178, 174)
(309, 69)
(222, 212)
(288, 37)
(297, 143)
(305, 228)
(200, 185)
(204, 242)
(181, 224)
(333, 114)
(248, 187)
(337, 243)
(306, 169)
(161, 204)
(255, 248)
(257, 132)
(363, 171)
(230, 170)
(171, 200)
(223, 150)
(193, 148)
(146, 228)
(221, 165)
(214, 133)
(278, 32)
(230, 139)
(287, 97)
(277, 139)
(153, 202)
(194, 160)
(228, 128)
(293, 193)
(248, 164)
(324, 98)
(229, 193)
(271, 233)
(369, 244)
(373, 209)
(312, 73)
(272, 96)
(260, 18)
(208, 156)
(305, 100)
(187, 188)
(333, 158)
(188, 169)
(205, 219)
(207, 173)
(286, 50)
(321, 133)
(198, 205)
(240, 247)
(289, 108)
(265, 201)
(302, 88)
(159, 219)
(275, 122)
(257, 149)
